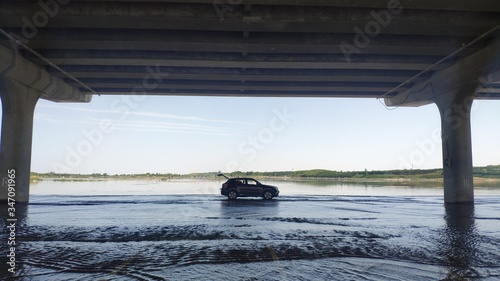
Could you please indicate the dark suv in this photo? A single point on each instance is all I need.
(248, 187)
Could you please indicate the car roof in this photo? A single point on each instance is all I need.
(242, 179)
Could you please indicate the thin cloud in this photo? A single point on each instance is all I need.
(168, 130)
(47, 118)
(165, 125)
(146, 114)
(148, 126)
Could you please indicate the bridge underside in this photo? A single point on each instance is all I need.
(402, 51)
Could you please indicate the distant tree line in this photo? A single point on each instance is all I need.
(320, 173)
(492, 171)
(104, 175)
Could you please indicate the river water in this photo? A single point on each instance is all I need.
(184, 230)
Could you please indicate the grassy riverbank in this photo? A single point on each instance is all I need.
(481, 174)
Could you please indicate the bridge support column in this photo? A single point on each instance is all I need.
(18, 107)
(455, 108)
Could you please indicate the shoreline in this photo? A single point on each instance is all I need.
(483, 174)
(375, 180)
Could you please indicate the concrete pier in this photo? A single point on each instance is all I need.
(453, 90)
(455, 109)
(22, 83)
(18, 107)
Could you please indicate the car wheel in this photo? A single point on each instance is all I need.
(267, 195)
(232, 195)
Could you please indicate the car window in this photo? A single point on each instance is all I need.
(239, 181)
(251, 182)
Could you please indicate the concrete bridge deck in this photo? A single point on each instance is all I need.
(410, 53)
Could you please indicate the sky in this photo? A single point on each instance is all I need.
(168, 134)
